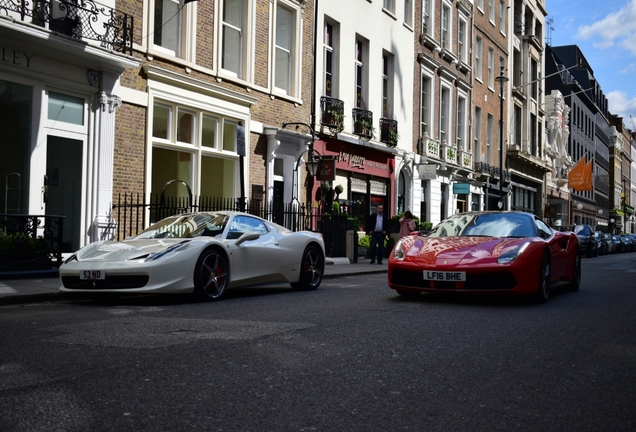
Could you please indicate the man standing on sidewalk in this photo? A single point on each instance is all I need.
(378, 227)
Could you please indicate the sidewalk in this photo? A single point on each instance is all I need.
(27, 287)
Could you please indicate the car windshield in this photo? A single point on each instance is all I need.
(485, 224)
(187, 226)
(582, 229)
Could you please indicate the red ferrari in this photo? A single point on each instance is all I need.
(511, 253)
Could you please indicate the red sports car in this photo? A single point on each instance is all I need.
(487, 253)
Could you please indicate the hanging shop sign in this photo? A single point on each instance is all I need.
(326, 170)
(428, 172)
(461, 188)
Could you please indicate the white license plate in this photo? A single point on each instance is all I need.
(445, 276)
(92, 274)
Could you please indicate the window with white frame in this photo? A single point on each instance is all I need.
(329, 61)
(533, 78)
(517, 125)
(479, 46)
(284, 57)
(491, 11)
(169, 27)
(460, 135)
(408, 13)
(462, 45)
(387, 85)
(489, 137)
(195, 146)
(360, 75)
(491, 68)
(477, 146)
(480, 5)
(446, 27)
(427, 17)
(425, 106)
(234, 37)
(502, 16)
(444, 115)
(389, 5)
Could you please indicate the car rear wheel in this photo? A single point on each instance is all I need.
(211, 275)
(576, 279)
(543, 291)
(312, 268)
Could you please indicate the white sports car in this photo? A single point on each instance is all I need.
(204, 253)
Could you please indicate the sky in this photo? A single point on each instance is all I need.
(605, 31)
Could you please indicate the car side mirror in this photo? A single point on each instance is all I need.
(247, 237)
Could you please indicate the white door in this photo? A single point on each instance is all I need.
(57, 185)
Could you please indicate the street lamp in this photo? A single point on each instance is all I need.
(313, 158)
(502, 79)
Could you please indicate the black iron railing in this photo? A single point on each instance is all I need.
(389, 132)
(363, 123)
(332, 114)
(132, 214)
(80, 19)
(47, 228)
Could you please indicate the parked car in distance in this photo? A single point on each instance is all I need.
(620, 245)
(629, 243)
(587, 240)
(601, 243)
(611, 245)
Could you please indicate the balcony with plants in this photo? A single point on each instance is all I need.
(389, 132)
(332, 114)
(363, 124)
(78, 19)
(450, 153)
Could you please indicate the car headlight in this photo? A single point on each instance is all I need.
(169, 249)
(512, 254)
(398, 251)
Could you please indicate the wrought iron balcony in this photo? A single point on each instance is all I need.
(363, 123)
(482, 169)
(332, 114)
(389, 132)
(79, 19)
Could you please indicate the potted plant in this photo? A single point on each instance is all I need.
(364, 127)
(333, 118)
(393, 137)
(364, 243)
(19, 252)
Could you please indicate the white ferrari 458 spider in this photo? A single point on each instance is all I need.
(203, 253)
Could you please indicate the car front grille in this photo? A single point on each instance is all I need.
(479, 281)
(111, 282)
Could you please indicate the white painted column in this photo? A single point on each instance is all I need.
(103, 224)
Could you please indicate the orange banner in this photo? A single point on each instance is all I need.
(580, 176)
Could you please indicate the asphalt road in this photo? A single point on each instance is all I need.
(351, 356)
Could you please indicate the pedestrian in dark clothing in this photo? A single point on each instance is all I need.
(378, 227)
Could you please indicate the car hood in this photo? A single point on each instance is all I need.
(457, 250)
(122, 251)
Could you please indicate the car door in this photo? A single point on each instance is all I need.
(254, 260)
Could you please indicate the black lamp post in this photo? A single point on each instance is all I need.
(502, 79)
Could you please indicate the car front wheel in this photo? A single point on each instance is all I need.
(211, 275)
(312, 268)
(543, 291)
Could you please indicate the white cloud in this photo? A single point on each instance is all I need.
(617, 27)
(620, 104)
(629, 69)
